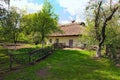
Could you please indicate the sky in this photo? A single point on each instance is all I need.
(67, 10)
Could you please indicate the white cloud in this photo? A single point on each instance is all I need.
(74, 7)
(26, 5)
(77, 7)
(65, 22)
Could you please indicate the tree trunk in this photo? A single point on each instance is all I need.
(42, 44)
(15, 46)
(98, 52)
(101, 37)
(107, 51)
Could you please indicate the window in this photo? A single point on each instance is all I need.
(50, 40)
(57, 40)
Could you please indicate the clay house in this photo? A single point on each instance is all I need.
(69, 37)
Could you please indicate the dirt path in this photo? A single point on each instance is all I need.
(72, 49)
(18, 46)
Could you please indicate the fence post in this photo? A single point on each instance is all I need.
(11, 61)
(29, 58)
(53, 48)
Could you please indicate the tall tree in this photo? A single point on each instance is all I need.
(27, 22)
(45, 21)
(10, 26)
(101, 19)
(4, 11)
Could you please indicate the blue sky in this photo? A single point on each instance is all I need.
(67, 10)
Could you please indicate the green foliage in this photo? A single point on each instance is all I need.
(113, 35)
(3, 13)
(45, 21)
(102, 30)
(39, 25)
(27, 28)
(10, 26)
(88, 36)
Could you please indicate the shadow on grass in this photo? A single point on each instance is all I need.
(4, 58)
(80, 65)
(69, 65)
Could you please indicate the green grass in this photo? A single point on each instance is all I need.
(68, 65)
(4, 58)
(33, 45)
(21, 57)
(24, 50)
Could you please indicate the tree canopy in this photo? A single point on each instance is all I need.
(44, 22)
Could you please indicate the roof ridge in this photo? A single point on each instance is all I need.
(71, 24)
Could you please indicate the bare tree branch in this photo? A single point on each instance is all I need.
(105, 24)
(110, 16)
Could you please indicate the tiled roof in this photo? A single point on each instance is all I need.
(73, 29)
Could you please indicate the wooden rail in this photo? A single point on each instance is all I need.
(29, 58)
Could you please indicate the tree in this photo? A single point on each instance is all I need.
(112, 41)
(27, 24)
(11, 26)
(4, 11)
(45, 21)
(101, 19)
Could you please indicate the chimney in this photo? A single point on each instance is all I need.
(73, 21)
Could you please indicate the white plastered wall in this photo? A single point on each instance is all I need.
(65, 40)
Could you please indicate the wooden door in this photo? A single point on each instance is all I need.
(70, 43)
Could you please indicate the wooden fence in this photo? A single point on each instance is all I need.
(29, 58)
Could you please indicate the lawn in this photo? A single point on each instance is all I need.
(68, 65)
(4, 58)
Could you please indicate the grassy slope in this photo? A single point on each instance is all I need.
(68, 65)
(4, 59)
